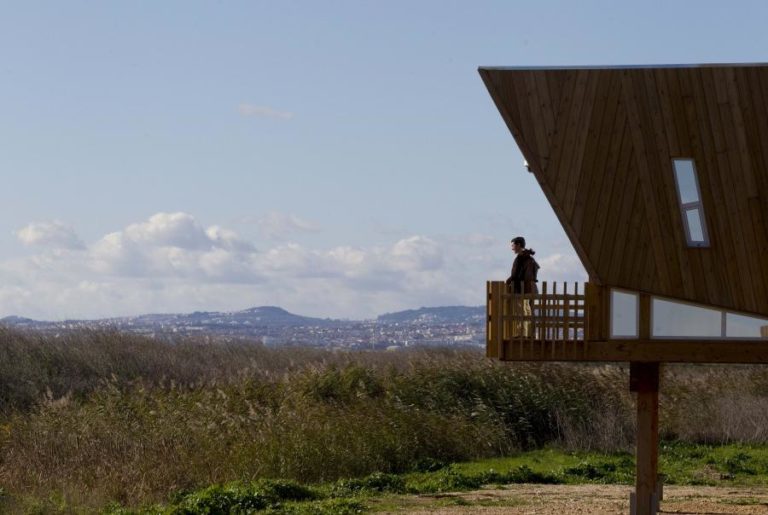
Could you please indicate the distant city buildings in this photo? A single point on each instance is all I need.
(274, 327)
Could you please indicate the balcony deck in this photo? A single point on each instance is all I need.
(563, 326)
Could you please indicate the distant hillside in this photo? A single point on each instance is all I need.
(263, 316)
(440, 315)
(19, 321)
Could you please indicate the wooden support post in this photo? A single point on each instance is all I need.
(495, 348)
(644, 319)
(596, 312)
(644, 381)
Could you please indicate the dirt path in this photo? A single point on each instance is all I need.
(581, 499)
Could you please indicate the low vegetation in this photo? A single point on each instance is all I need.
(94, 419)
(682, 464)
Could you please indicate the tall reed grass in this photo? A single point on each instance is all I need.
(95, 417)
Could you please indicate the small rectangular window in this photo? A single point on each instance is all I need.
(624, 314)
(691, 207)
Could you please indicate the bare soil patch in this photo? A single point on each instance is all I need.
(581, 499)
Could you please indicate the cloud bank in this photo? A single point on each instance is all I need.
(170, 262)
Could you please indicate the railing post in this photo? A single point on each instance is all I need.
(565, 307)
(596, 313)
(490, 349)
(496, 348)
(544, 327)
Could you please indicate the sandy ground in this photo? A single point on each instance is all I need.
(584, 499)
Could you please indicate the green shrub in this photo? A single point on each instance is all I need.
(429, 464)
(739, 463)
(285, 490)
(325, 507)
(524, 474)
(377, 482)
(616, 470)
(221, 500)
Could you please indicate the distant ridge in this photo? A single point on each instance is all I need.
(273, 326)
(262, 316)
(437, 315)
(14, 320)
(268, 316)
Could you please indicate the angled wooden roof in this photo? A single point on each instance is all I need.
(600, 142)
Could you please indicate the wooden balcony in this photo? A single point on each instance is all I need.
(570, 322)
(551, 322)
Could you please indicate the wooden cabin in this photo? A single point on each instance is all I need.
(659, 177)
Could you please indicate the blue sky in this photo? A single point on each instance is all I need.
(336, 158)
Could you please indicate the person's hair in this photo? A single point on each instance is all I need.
(519, 240)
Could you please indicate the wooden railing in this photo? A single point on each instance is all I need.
(549, 315)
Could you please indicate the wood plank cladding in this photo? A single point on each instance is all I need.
(600, 142)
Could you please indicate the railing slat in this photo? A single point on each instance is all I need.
(543, 312)
(567, 314)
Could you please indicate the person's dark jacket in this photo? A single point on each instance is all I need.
(524, 271)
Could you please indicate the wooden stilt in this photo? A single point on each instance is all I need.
(644, 381)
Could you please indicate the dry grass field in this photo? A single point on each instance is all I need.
(89, 419)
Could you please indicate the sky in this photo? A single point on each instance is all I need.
(337, 159)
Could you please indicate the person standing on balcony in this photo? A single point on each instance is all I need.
(522, 279)
(524, 268)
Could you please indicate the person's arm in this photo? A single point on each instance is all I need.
(511, 279)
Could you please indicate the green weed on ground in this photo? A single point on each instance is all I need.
(681, 464)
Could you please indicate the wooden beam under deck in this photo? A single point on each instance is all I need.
(669, 351)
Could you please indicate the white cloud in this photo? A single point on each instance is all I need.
(116, 255)
(561, 267)
(416, 253)
(174, 245)
(263, 112)
(169, 229)
(277, 225)
(227, 239)
(53, 234)
(393, 264)
(347, 257)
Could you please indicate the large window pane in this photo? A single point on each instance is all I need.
(675, 320)
(623, 314)
(686, 180)
(740, 326)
